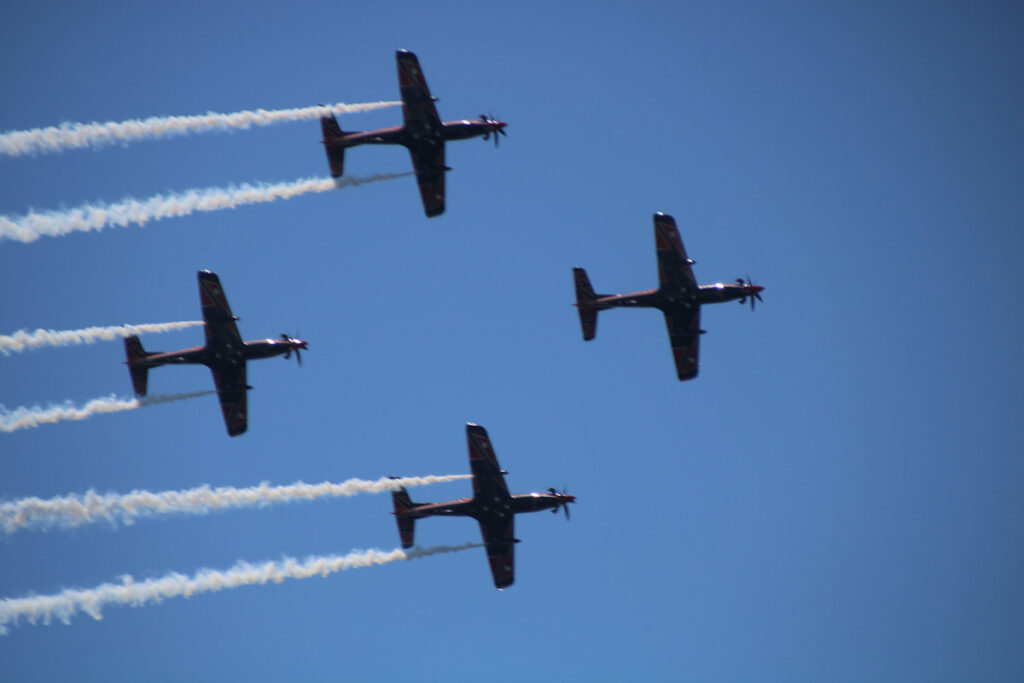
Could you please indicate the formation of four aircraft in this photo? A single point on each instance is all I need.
(678, 297)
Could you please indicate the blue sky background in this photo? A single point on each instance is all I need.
(836, 497)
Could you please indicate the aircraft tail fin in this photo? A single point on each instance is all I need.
(134, 352)
(332, 144)
(406, 523)
(585, 299)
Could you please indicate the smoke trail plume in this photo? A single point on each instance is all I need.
(23, 339)
(23, 418)
(89, 508)
(75, 135)
(67, 603)
(32, 226)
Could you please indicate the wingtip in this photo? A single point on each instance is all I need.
(476, 430)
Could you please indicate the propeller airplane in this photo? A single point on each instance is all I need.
(491, 506)
(422, 133)
(225, 353)
(678, 297)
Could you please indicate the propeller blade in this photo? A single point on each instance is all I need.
(565, 506)
(754, 295)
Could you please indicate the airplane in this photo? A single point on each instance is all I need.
(678, 296)
(422, 134)
(225, 353)
(491, 506)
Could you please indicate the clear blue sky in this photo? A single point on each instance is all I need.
(836, 497)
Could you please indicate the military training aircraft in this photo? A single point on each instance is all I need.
(422, 134)
(224, 353)
(678, 296)
(491, 506)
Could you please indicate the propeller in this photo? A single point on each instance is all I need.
(755, 291)
(563, 501)
(495, 126)
(293, 345)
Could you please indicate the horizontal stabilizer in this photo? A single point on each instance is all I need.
(134, 352)
(333, 145)
(585, 299)
(406, 523)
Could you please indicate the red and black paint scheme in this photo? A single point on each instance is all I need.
(225, 353)
(678, 296)
(422, 133)
(491, 506)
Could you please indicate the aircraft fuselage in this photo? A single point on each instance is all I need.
(203, 355)
(400, 135)
(468, 507)
(668, 299)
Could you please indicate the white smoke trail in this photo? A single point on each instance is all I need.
(77, 510)
(23, 339)
(23, 418)
(64, 605)
(75, 135)
(32, 226)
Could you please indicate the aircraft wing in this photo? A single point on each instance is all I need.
(674, 271)
(417, 105)
(498, 523)
(428, 162)
(488, 479)
(422, 122)
(231, 391)
(499, 538)
(684, 335)
(221, 331)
